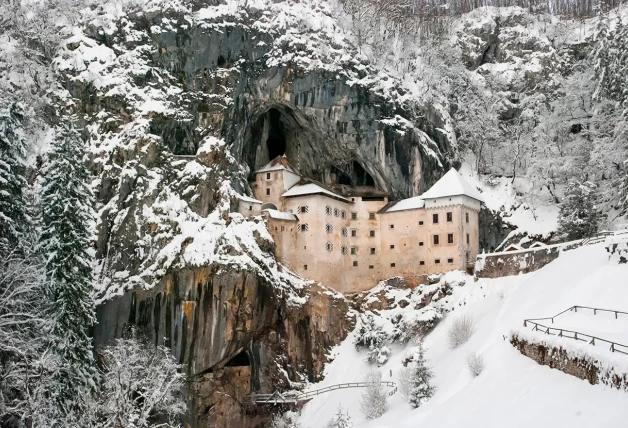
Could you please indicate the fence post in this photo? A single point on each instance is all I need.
(615, 314)
(594, 311)
(592, 341)
(525, 324)
(575, 308)
(575, 335)
(612, 347)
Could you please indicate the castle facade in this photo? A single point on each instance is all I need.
(350, 238)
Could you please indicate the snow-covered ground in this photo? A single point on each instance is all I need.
(513, 390)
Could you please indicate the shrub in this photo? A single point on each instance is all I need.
(461, 330)
(475, 363)
(371, 335)
(286, 420)
(340, 420)
(421, 375)
(373, 402)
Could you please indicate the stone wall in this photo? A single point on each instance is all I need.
(583, 367)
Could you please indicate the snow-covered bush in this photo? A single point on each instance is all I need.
(373, 401)
(461, 330)
(404, 383)
(420, 376)
(475, 363)
(578, 217)
(414, 325)
(371, 335)
(286, 420)
(340, 420)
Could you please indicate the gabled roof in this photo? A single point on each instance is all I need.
(452, 184)
(304, 187)
(280, 215)
(405, 204)
(279, 163)
(249, 199)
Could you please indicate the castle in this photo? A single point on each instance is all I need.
(351, 237)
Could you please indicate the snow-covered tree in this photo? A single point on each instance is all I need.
(142, 385)
(374, 399)
(65, 241)
(340, 420)
(14, 218)
(370, 335)
(421, 376)
(286, 420)
(578, 216)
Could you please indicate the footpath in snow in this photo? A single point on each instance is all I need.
(513, 390)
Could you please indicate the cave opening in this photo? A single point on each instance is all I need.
(240, 360)
(276, 141)
(362, 177)
(339, 177)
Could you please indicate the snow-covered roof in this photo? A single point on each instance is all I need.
(513, 247)
(406, 204)
(249, 199)
(276, 164)
(280, 215)
(311, 189)
(537, 244)
(452, 184)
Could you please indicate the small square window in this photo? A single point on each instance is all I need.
(434, 218)
(268, 176)
(450, 217)
(305, 247)
(450, 260)
(392, 265)
(283, 228)
(354, 216)
(372, 250)
(467, 239)
(372, 233)
(420, 222)
(467, 216)
(250, 207)
(437, 261)
(392, 226)
(354, 250)
(392, 247)
(450, 238)
(276, 227)
(422, 263)
(371, 216)
(267, 191)
(304, 267)
(370, 266)
(436, 240)
(354, 233)
(355, 263)
(420, 243)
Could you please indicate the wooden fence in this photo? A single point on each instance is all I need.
(296, 396)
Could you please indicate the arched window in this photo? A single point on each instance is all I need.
(328, 210)
(336, 212)
(344, 231)
(303, 210)
(329, 246)
(343, 214)
(329, 228)
(344, 250)
(302, 227)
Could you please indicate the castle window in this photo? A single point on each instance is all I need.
(302, 227)
(372, 250)
(304, 267)
(436, 239)
(354, 250)
(354, 216)
(392, 247)
(450, 260)
(420, 243)
(250, 207)
(371, 216)
(467, 239)
(421, 263)
(329, 228)
(344, 250)
(354, 233)
(276, 227)
(467, 216)
(437, 261)
(420, 222)
(303, 210)
(370, 266)
(267, 192)
(355, 263)
(329, 246)
(283, 228)
(336, 212)
(268, 176)
(344, 231)
(435, 218)
(328, 210)
(392, 226)
(343, 214)
(372, 233)
(450, 217)
(392, 265)
(450, 238)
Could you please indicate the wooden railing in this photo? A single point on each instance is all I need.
(577, 335)
(294, 396)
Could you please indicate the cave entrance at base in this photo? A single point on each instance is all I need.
(240, 360)
(276, 141)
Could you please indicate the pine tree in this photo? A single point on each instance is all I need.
(421, 375)
(14, 218)
(371, 335)
(340, 420)
(65, 242)
(578, 216)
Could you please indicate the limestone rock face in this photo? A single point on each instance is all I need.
(235, 335)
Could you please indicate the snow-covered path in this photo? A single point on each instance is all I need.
(513, 390)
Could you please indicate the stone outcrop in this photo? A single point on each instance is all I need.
(234, 333)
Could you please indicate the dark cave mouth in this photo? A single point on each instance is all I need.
(276, 141)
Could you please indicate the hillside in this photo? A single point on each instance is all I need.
(513, 390)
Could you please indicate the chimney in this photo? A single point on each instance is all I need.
(284, 160)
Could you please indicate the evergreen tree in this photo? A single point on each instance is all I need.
(421, 375)
(340, 420)
(578, 216)
(14, 218)
(65, 241)
(371, 335)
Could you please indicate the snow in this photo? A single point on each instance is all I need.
(311, 189)
(280, 215)
(452, 184)
(513, 390)
(249, 199)
(407, 204)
